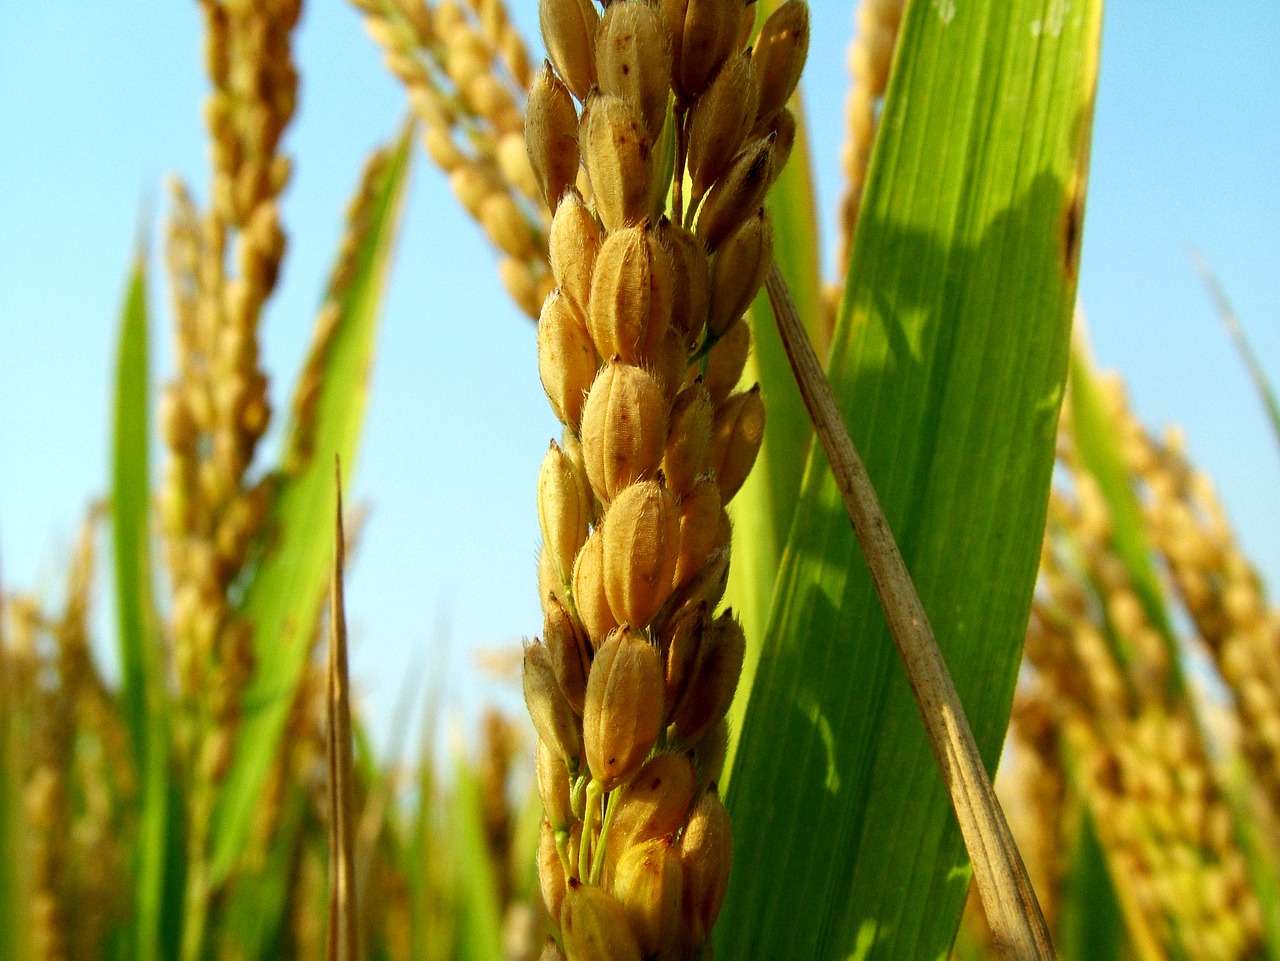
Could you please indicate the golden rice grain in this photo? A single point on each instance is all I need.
(642, 290)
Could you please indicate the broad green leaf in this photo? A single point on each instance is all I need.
(1097, 441)
(283, 599)
(255, 915)
(1091, 924)
(142, 662)
(761, 511)
(950, 359)
(480, 919)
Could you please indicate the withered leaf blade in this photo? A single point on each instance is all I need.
(344, 914)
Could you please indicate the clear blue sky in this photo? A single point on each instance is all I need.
(101, 102)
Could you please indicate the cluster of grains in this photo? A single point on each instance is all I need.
(467, 72)
(45, 799)
(1219, 589)
(640, 347)
(224, 264)
(1106, 722)
(74, 773)
(498, 742)
(1143, 766)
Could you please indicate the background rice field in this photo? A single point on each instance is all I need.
(101, 105)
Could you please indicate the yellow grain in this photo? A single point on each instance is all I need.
(466, 73)
(641, 292)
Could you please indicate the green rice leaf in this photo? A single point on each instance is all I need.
(426, 864)
(762, 510)
(142, 663)
(969, 944)
(480, 917)
(130, 501)
(256, 911)
(1258, 851)
(1092, 926)
(949, 359)
(343, 940)
(1097, 440)
(524, 840)
(1235, 330)
(14, 907)
(283, 599)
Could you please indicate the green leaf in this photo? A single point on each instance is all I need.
(142, 661)
(1235, 330)
(130, 499)
(525, 833)
(431, 847)
(1092, 923)
(256, 911)
(969, 944)
(14, 906)
(283, 599)
(480, 918)
(1097, 441)
(949, 360)
(762, 510)
(1258, 850)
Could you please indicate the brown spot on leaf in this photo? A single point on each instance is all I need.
(1069, 232)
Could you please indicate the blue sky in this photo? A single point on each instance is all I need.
(101, 104)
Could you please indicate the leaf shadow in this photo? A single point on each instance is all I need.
(838, 809)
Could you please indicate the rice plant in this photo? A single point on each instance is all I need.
(814, 551)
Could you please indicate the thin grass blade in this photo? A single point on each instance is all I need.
(1259, 856)
(949, 362)
(425, 868)
(13, 903)
(143, 696)
(283, 599)
(130, 502)
(1235, 330)
(344, 914)
(378, 819)
(480, 916)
